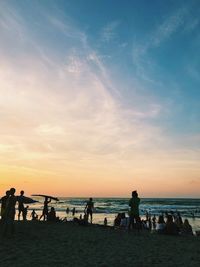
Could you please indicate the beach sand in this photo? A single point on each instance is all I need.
(65, 244)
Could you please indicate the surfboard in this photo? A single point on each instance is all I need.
(28, 200)
(38, 195)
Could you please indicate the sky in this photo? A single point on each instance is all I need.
(100, 97)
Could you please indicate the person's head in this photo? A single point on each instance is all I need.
(123, 215)
(22, 193)
(134, 193)
(161, 219)
(8, 193)
(186, 222)
(52, 209)
(12, 191)
(169, 219)
(90, 198)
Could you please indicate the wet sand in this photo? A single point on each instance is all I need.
(65, 244)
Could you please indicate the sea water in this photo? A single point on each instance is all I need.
(110, 207)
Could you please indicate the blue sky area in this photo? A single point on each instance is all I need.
(127, 72)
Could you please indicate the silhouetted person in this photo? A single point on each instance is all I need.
(160, 226)
(67, 210)
(105, 223)
(171, 228)
(89, 209)
(117, 220)
(45, 209)
(52, 215)
(4, 202)
(9, 227)
(25, 213)
(73, 211)
(154, 222)
(20, 200)
(34, 215)
(134, 203)
(186, 228)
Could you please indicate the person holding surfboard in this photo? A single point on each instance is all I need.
(45, 211)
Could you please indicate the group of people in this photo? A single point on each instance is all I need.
(168, 224)
(87, 216)
(8, 210)
(171, 224)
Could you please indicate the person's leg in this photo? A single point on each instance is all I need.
(131, 222)
(19, 213)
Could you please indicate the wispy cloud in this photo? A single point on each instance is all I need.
(62, 114)
(108, 33)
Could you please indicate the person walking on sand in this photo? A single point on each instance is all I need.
(4, 202)
(9, 227)
(89, 209)
(45, 209)
(20, 200)
(134, 203)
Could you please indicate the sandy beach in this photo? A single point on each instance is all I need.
(66, 244)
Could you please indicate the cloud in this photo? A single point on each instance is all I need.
(108, 33)
(62, 113)
(162, 32)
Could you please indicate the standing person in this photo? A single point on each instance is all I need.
(4, 202)
(89, 209)
(9, 226)
(73, 211)
(45, 209)
(25, 213)
(67, 210)
(134, 203)
(20, 200)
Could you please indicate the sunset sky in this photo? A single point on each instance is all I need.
(100, 97)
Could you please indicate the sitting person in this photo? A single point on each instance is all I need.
(117, 220)
(82, 221)
(178, 221)
(186, 228)
(124, 221)
(34, 215)
(52, 215)
(171, 228)
(160, 226)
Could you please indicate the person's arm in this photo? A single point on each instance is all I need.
(49, 201)
(86, 206)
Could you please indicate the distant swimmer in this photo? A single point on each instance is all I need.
(45, 209)
(4, 203)
(105, 223)
(89, 209)
(20, 200)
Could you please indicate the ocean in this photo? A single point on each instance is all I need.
(109, 207)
